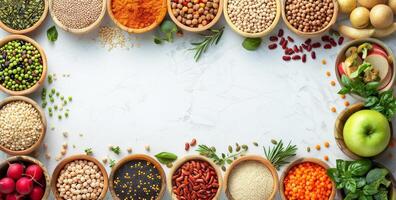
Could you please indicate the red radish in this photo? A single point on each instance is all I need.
(7, 185)
(15, 171)
(380, 63)
(37, 193)
(35, 172)
(24, 186)
(341, 68)
(13, 196)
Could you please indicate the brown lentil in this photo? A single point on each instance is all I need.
(333, 109)
(195, 13)
(332, 83)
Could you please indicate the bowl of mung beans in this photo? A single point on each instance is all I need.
(22, 16)
(309, 18)
(23, 65)
(195, 15)
(22, 125)
(252, 18)
(79, 177)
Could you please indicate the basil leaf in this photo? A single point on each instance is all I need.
(359, 167)
(251, 44)
(360, 182)
(157, 40)
(370, 189)
(52, 34)
(381, 195)
(345, 80)
(371, 101)
(333, 174)
(362, 68)
(351, 196)
(342, 165)
(166, 157)
(372, 85)
(344, 90)
(350, 185)
(376, 174)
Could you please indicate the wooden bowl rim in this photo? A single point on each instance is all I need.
(30, 29)
(254, 35)
(198, 29)
(339, 136)
(304, 160)
(183, 160)
(69, 159)
(43, 57)
(341, 53)
(255, 158)
(82, 30)
(36, 145)
(310, 34)
(138, 157)
(157, 22)
(29, 159)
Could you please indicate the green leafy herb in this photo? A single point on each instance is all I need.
(88, 151)
(362, 68)
(52, 34)
(168, 28)
(210, 39)
(279, 155)
(221, 160)
(251, 44)
(385, 103)
(357, 86)
(112, 163)
(116, 150)
(166, 157)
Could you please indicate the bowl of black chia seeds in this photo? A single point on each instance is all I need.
(137, 177)
(22, 16)
(23, 65)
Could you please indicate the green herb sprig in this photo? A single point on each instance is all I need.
(212, 38)
(222, 159)
(166, 157)
(52, 34)
(112, 163)
(88, 151)
(384, 103)
(357, 86)
(279, 155)
(116, 150)
(168, 28)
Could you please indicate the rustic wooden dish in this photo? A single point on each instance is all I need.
(259, 159)
(30, 29)
(82, 30)
(310, 34)
(198, 29)
(137, 157)
(67, 160)
(40, 82)
(341, 57)
(157, 22)
(28, 160)
(181, 161)
(299, 161)
(43, 120)
(339, 130)
(254, 35)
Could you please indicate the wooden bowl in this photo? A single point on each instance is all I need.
(310, 34)
(299, 161)
(28, 160)
(198, 29)
(67, 160)
(40, 82)
(137, 157)
(183, 160)
(43, 120)
(30, 29)
(82, 30)
(389, 83)
(339, 130)
(157, 22)
(259, 159)
(254, 35)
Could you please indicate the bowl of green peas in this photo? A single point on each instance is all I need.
(23, 65)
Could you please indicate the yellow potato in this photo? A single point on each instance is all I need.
(346, 6)
(371, 3)
(360, 17)
(381, 16)
(392, 4)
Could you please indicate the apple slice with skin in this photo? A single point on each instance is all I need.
(378, 49)
(341, 70)
(379, 62)
(387, 79)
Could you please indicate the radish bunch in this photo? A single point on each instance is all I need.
(22, 182)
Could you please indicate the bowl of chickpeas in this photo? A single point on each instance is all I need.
(195, 15)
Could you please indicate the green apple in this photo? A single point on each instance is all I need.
(367, 133)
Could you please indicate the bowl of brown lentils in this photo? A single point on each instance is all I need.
(22, 125)
(195, 15)
(79, 177)
(252, 18)
(309, 18)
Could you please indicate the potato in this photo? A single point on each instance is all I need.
(392, 4)
(360, 17)
(346, 6)
(381, 16)
(371, 3)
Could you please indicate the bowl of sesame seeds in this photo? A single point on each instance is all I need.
(22, 125)
(137, 177)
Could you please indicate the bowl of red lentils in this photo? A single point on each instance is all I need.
(195, 177)
(307, 177)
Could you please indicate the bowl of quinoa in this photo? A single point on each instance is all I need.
(22, 125)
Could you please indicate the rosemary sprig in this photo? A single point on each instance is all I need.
(210, 39)
(279, 155)
(210, 152)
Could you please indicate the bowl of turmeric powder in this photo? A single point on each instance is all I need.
(136, 16)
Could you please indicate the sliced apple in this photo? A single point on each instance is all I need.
(378, 49)
(379, 62)
(340, 67)
(387, 79)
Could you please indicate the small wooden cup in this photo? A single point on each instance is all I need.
(67, 160)
(253, 35)
(185, 159)
(310, 34)
(137, 157)
(390, 80)
(198, 29)
(339, 130)
(157, 22)
(43, 120)
(259, 159)
(304, 160)
(82, 30)
(40, 82)
(27, 160)
(30, 29)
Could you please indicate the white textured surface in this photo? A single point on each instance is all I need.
(158, 96)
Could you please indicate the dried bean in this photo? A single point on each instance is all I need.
(272, 46)
(273, 38)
